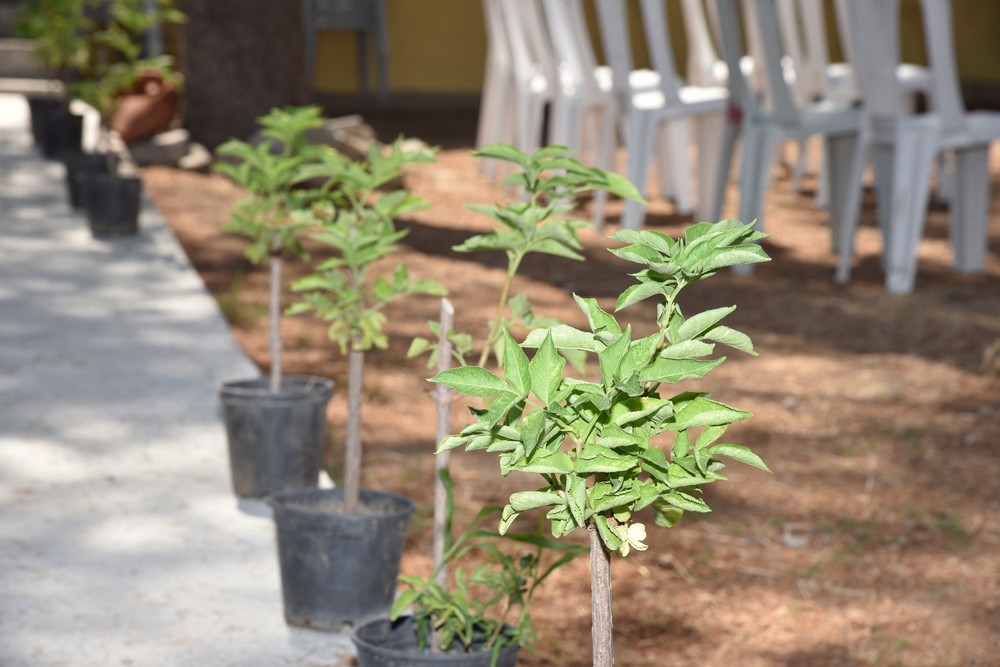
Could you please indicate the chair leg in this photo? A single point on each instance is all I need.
(641, 130)
(970, 209)
(709, 137)
(605, 159)
(847, 229)
(759, 148)
(677, 152)
(910, 184)
(840, 153)
(727, 150)
(884, 168)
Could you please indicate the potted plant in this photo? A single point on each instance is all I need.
(596, 444)
(451, 625)
(339, 549)
(481, 619)
(112, 198)
(60, 30)
(276, 426)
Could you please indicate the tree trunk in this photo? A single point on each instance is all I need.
(352, 440)
(241, 58)
(275, 316)
(600, 601)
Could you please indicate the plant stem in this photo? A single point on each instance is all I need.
(352, 441)
(512, 267)
(600, 600)
(275, 315)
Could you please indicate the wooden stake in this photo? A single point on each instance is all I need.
(442, 460)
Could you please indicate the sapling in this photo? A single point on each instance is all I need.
(270, 173)
(357, 221)
(549, 182)
(608, 448)
(61, 31)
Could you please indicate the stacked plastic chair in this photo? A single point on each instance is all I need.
(905, 145)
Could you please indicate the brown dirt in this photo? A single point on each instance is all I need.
(875, 542)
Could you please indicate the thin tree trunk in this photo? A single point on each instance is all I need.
(352, 458)
(600, 601)
(442, 460)
(275, 315)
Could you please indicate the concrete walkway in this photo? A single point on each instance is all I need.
(121, 542)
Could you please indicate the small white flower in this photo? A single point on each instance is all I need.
(632, 538)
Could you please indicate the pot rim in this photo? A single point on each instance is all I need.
(301, 385)
(281, 498)
(442, 658)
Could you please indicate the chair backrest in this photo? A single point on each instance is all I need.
(702, 56)
(760, 20)
(661, 52)
(530, 53)
(612, 21)
(497, 42)
(731, 29)
(940, 39)
(874, 24)
(571, 43)
(815, 46)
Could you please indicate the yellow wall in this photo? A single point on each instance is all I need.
(439, 46)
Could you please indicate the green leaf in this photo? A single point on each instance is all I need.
(741, 454)
(669, 371)
(471, 381)
(597, 459)
(609, 537)
(686, 502)
(702, 322)
(666, 515)
(576, 498)
(564, 337)
(403, 602)
(636, 293)
(610, 358)
(701, 411)
(599, 319)
(515, 365)
(546, 369)
(523, 501)
(731, 337)
(504, 152)
(546, 462)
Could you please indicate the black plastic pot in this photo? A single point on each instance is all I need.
(62, 132)
(40, 109)
(339, 570)
(276, 440)
(112, 204)
(79, 169)
(385, 643)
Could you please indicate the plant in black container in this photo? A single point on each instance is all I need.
(464, 621)
(60, 30)
(112, 198)
(339, 549)
(607, 448)
(276, 426)
(481, 619)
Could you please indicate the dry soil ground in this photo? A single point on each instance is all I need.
(875, 542)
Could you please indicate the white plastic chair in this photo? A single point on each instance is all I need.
(777, 116)
(498, 85)
(905, 145)
(669, 106)
(520, 80)
(585, 107)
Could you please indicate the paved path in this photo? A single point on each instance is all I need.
(121, 542)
